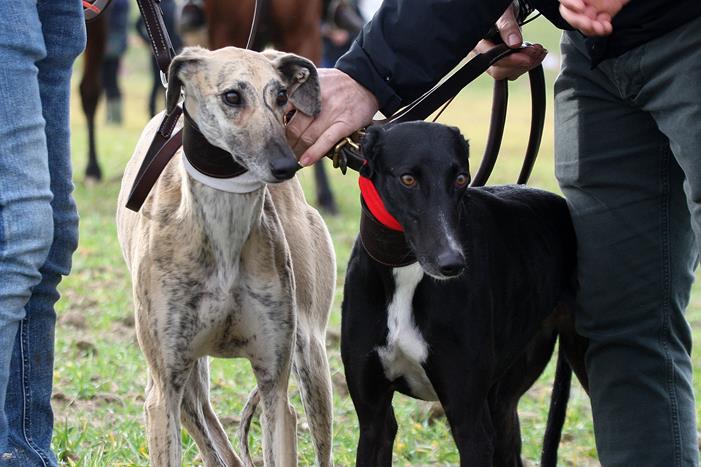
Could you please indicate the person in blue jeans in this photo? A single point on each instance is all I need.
(39, 41)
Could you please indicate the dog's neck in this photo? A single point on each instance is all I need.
(226, 219)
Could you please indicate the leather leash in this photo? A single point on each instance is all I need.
(164, 144)
(347, 153)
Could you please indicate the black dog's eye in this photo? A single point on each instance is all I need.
(232, 98)
(461, 181)
(408, 180)
(281, 98)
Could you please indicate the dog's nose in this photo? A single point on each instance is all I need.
(450, 263)
(284, 168)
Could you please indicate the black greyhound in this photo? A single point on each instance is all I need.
(452, 293)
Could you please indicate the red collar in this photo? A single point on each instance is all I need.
(376, 206)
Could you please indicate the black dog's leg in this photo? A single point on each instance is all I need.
(372, 397)
(378, 427)
(464, 398)
(507, 450)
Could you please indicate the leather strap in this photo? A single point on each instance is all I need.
(158, 34)
(161, 151)
(425, 105)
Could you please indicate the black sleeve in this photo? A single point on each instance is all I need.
(411, 44)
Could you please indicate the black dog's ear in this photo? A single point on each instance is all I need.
(462, 146)
(301, 78)
(461, 143)
(371, 147)
(189, 55)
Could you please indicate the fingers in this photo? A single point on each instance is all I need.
(592, 17)
(324, 143)
(509, 29)
(587, 21)
(295, 128)
(516, 64)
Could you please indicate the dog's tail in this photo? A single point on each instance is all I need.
(557, 411)
(249, 410)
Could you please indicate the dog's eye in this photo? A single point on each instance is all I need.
(461, 181)
(408, 180)
(232, 98)
(281, 98)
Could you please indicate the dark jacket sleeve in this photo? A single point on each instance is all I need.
(411, 44)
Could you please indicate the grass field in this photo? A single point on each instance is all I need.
(100, 373)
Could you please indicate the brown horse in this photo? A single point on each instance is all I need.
(288, 25)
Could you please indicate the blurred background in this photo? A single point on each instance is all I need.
(100, 373)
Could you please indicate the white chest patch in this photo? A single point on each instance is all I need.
(406, 348)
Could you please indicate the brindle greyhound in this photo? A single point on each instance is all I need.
(243, 270)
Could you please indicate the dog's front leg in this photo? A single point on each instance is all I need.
(463, 395)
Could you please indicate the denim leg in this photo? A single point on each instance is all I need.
(38, 219)
(636, 256)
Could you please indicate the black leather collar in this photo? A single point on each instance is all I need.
(204, 156)
(384, 245)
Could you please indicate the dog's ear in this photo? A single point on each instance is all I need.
(188, 56)
(301, 78)
(462, 146)
(371, 147)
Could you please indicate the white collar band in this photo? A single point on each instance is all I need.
(244, 183)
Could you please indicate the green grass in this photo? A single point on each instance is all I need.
(100, 373)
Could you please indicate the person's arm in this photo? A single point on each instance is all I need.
(410, 44)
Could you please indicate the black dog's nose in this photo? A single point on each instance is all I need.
(284, 168)
(450, 263)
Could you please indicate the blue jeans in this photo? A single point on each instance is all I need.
(39, 41)
(628, 158)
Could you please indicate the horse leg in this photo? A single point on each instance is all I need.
(91, 88)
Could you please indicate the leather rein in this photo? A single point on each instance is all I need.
(347, 152)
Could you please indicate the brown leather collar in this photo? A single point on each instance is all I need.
(204, 156)
(382, 244)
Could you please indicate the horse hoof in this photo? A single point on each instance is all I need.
(329, 208)
(91, 181)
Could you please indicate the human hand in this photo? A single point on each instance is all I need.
(346, 106)
(518, 63)
(591, 17)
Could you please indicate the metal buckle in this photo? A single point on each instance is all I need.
(340, 161)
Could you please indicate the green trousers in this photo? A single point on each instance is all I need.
(628, 159)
